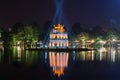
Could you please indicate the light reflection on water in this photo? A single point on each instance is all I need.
(58, 62)
(27, 58)
(1, 54)
(20, 55)
(110, 54)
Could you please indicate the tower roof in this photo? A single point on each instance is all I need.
(59, 27)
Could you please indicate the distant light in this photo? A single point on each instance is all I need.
(73, 46)
(101, 41)
(46, 46)
(92, 41)
(114, 40)
(102, 49)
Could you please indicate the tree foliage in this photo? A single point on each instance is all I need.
(25, 33)
(83, 36)
(76, 28)
(112, 34)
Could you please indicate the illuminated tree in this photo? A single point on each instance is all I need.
(25, 33)
(82, 36)
(112, 34)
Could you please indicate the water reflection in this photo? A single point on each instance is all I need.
(103, 54)
(1, 54)
(28, 58)
(58, 61)
(85, 55)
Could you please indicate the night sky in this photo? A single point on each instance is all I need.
(89, 12)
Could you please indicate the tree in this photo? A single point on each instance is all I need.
(25, 33)
(96, 31)
(112, 34)
(76, 28)
(82, 36)
(46, 28)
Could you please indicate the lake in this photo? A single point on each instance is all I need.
(19, 64)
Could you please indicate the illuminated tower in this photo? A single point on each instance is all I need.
(58, 37)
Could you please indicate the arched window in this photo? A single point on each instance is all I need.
(58, 36)
(50, 36)
(50, 43)
(66, 36)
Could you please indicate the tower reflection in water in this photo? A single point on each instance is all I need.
(58, 62)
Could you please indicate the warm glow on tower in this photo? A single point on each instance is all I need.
(58, 37)
(59, 27)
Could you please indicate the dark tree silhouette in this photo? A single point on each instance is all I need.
(76, 28)
(46, 28)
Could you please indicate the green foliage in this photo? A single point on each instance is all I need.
(99, 38)
(25, 33)
(82, 36)
(112, 34)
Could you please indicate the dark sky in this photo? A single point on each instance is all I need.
(89, 12)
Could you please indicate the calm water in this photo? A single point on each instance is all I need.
(17, 64)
